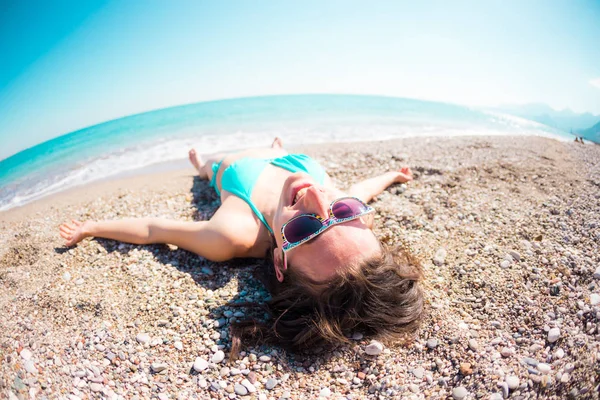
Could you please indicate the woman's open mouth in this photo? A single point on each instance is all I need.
(299, 192)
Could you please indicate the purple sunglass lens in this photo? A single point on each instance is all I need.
(347, 208)
(301, 228)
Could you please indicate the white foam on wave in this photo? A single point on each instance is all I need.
(165, 150)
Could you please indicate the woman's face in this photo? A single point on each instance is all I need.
(323, 256)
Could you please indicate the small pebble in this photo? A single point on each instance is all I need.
(440, 257)
(271, 383)
(465, 368)
(143, 338)
(594, 299)
(496, 396)
(251, 388)
(418, 372)
(459, 393)
(158, 367)
(544, 368)
(507, 351)
(553, 335)
(560, 353)
(178, 345)
(325, 392)
(240, 389)
(30, 367)
(200, 364)
(96, 387)
(512, 381)
(432, 343)
(26, 354)
(473, 345)
(374, 348)
(218, 357)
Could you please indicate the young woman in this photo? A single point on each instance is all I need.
(327, 273)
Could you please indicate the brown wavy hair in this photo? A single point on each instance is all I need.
(382, 297)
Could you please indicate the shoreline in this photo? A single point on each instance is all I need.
(507, 230)
(183, 163)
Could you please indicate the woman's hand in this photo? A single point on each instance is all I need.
(404, 175)
(73, 232)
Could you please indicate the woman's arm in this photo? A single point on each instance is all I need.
(204, 238)
(369, 188)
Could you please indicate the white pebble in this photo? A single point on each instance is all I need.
(597, 273)
(560, 353)
(200, 364)
(594, 299)
(512, 381)
(440, 257)
(96, 387)
(143, 338)
(553, 335)
(26, 354)
(374, 348)
(264, 358)
(30, 367)
(459, 393)
(178, 345)
(325, 392)
(544, 368)
(158, 367)
(505, 264)
(249, 386)
(218, 357)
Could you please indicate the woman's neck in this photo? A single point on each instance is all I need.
(267, 191)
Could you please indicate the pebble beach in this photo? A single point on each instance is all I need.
(507, 229)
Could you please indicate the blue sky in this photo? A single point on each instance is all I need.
(70, 64)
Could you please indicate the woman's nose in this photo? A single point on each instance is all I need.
(317, 201)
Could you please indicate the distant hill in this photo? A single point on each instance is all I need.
(592, 134)
(565, 120)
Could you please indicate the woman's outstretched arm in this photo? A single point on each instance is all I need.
(369, 188)
(204, 238)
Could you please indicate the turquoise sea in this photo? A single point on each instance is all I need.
(139, 141)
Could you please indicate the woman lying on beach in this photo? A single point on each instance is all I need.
(327, 273)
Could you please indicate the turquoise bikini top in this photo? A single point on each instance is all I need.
(240, 177)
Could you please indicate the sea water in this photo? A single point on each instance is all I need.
(139, 141)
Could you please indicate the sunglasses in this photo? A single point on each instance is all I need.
(304, 227)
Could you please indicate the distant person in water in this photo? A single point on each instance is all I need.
(328, 274)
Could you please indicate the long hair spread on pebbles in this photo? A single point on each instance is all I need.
(381, 297)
